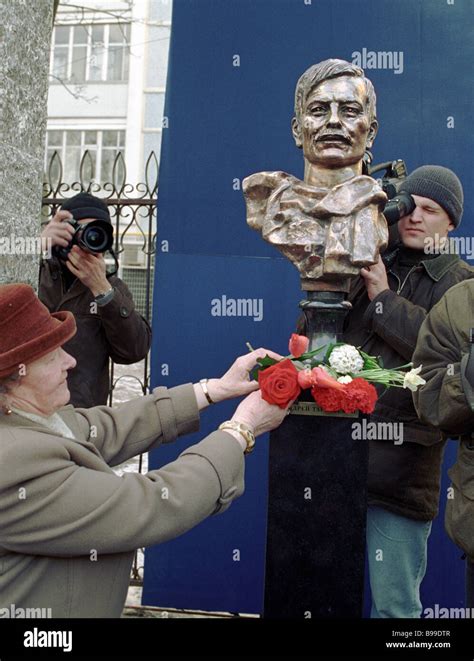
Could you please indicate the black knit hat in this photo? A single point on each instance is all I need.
(439, 184)
(84, 205)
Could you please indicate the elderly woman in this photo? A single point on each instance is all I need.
(68, 524)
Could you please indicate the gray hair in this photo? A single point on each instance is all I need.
(325, 70)
(6, 385)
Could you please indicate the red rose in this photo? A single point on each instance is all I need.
(360, 396)
(279, 383)
(298, 345)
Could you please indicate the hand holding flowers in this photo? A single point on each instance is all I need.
(340, 380)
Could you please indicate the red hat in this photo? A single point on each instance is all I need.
(28, 330)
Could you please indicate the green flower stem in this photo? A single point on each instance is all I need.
(386, 377)
(308, 355)
(304, 356)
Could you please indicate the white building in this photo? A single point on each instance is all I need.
(108, 68)
(107, 83)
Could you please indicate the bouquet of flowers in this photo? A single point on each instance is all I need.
(339, 375)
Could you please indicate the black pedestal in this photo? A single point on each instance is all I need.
(315, 555)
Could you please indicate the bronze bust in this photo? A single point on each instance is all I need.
(331, 224)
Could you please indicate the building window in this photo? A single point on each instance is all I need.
(88, 53)
(102, 146)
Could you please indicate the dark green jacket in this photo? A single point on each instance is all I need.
(403, 478)
(447, 399)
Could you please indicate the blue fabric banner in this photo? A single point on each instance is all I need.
(232, 72)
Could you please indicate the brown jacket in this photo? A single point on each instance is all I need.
(69, 525)
(114, 331)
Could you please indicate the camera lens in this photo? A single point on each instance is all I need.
(96, 236)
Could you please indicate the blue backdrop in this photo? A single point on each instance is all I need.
(232, 71)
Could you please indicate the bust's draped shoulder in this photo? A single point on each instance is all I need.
(322, 231)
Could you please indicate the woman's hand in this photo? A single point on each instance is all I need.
(257, 414)
(236, 381)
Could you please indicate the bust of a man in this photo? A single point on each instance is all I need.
(329, 225)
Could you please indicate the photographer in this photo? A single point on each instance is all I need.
(390, 301)
(108, 326)
(446, 351)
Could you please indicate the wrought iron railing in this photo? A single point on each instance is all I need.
(133, 212)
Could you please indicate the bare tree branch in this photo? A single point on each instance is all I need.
(78, 93)
(119, 15)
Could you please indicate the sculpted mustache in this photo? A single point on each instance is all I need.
(334, 135)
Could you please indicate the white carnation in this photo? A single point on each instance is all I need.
(346, 358)
(412, 380)
(345, 379)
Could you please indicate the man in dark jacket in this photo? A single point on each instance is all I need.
(390, 301)
(445, 348)
(108, 326)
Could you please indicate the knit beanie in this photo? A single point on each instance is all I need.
(439, 184)
(85, 205)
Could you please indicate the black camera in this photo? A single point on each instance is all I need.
(95, 237)
(399, 204)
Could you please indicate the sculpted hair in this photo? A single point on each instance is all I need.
(322, 71)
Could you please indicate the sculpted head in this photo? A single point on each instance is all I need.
(335, 114)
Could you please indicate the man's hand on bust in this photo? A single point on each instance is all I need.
(375, 278)
(90, 269)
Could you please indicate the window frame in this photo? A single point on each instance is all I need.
(81, 147)
(125, 27)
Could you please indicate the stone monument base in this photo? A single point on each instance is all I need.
(315, 554)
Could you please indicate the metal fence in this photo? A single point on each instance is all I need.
(132, 209)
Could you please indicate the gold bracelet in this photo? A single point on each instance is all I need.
(203, 383)
(246, 433)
